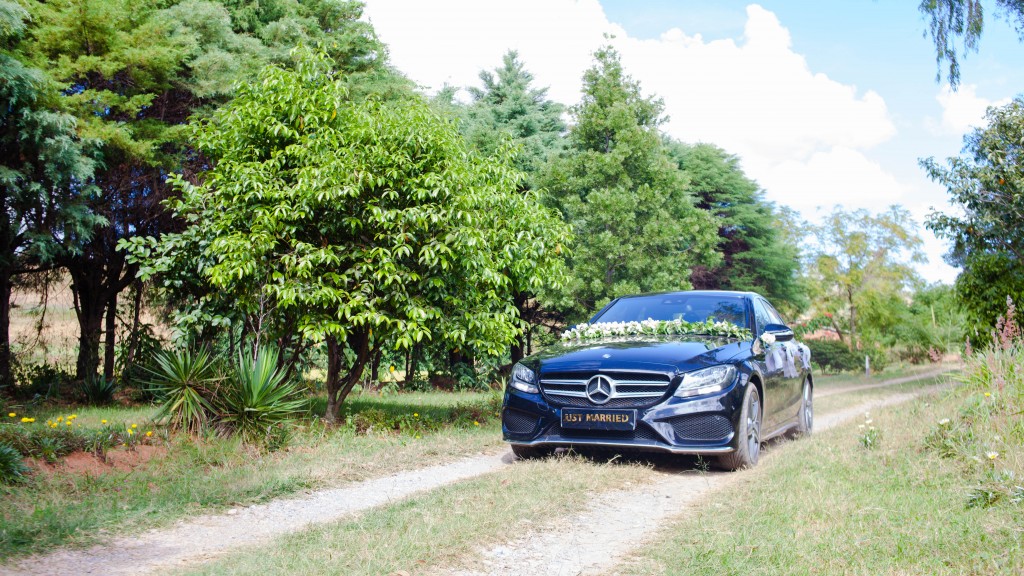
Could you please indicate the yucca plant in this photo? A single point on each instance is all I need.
(12, 467)
(98, 390)
(184, 381)
(258, 402)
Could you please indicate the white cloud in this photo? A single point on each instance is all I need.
(962, 111)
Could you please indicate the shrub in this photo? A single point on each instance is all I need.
(258, 402)
(183, 382)
(834, 356)
(99, 390)
(12, 467)
(37, 380)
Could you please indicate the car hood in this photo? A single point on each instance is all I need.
(662, 354)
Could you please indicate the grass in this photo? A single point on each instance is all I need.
(412, 536)
(215, 473)
(834, 506)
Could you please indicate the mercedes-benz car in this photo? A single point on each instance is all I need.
(714, 373)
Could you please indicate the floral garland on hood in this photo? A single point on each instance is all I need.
(614, 330)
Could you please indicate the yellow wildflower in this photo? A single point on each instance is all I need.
(992, 455)
(31, 420)
(103, 421)
(68, 422)
(415, 414)
(130, 432)
(24, 420)
(987, 394)
(12, 414)
(149, 433)
(135, 425)
(391, 368)
(475, 423)
(60, 418)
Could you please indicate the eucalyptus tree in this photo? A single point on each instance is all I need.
(637, 225)
(45, 168)
(369, 221)
(950, 21)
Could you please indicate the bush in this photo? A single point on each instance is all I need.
(12, 467)
(43, 441)
(98, 390)
(834, 356)
(37, 380)
(183, 382)
(258, 403)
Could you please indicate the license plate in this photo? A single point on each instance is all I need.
(599, 419)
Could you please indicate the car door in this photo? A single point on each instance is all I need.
(792, 375)
(774, 393)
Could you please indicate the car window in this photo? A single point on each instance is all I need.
(761, 314)
(691, 308)
(774, 314)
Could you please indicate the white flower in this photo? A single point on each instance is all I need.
(944, 421)
(768, 339)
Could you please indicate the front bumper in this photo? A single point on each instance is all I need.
(699, 425)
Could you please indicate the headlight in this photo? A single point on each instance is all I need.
(706, 381)
(523, 379)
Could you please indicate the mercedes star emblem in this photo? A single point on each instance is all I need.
(600, 389)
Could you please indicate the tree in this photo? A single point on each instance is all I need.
(44, 172)
(986, 186)
(508, 108)
(858, 255)
(628, 205)
(952, 20)
(507, 111)
(368, 221)
(755, 255)
(134, 72)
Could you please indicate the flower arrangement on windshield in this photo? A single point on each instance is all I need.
(649, 327)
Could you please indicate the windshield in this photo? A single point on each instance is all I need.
(691, 308)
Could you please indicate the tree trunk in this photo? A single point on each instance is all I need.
(338, 388)
(5, 329)
(333, 383)
(518, 347)
(110, 330)
(853, 321)
(133, 335)
(89, 308)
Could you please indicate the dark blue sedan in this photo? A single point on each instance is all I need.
(700, 372)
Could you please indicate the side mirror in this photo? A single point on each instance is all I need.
(781, 332)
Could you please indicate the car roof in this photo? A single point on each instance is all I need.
(732, 293)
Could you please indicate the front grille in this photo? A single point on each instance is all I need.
(642, 432)
(701, 427)
(518, 422)
(629, 389)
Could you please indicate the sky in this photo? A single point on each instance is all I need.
(826, 103)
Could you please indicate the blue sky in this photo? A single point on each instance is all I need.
(826, 103)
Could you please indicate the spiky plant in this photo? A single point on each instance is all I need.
(258, 402)
(99, 390)
(12, 467)
(184, 381)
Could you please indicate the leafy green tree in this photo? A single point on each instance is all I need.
(369, 221)
(950, 21)
(637, 226)
(134, 72)
(986, 185)
(508, 111)
(44, 171)
(859, 256)
(755, 255)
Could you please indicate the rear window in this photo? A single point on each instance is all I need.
(677, 307)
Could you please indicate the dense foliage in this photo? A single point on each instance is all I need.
(987, 232)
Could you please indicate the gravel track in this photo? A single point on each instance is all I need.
(205, 537)
(589, 542)
(595, 540)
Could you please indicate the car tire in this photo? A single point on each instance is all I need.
(748, 434)
(524, 452)
(805, 424)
